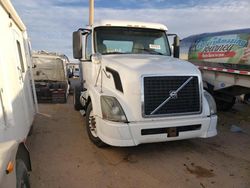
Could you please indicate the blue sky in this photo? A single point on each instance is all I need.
(131, 4)
(50, 23)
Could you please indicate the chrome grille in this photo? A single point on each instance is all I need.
(158, 89)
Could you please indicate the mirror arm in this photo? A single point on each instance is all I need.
(176, 45)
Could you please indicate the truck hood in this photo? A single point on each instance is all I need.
(148, 65)
(131, 69)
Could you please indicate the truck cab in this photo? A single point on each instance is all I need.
(133, 91)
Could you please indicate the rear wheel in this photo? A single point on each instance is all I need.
(247, 98)
(92, 129)
(22, 175)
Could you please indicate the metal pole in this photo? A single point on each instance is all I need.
(91, 12)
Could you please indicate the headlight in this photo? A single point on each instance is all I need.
(112, 110)
(211, 102)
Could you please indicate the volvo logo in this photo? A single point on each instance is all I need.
(173, 94)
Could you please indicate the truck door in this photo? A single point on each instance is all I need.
(20, 104)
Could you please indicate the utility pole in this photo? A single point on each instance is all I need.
(91, 12)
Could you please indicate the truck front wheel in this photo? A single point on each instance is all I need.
(22, 176)
(76, 98)
(91, 127)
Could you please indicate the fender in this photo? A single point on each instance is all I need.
(94, 96)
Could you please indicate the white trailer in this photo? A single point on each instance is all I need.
(18, 104)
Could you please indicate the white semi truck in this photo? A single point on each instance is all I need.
(224, 60)
(17, 99)
(133, 91)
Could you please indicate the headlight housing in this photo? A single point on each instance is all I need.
(112, 110)
(211, 102)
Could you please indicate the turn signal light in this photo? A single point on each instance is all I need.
(10, 167)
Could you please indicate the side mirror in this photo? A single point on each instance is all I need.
(176, 47)
(77, 44)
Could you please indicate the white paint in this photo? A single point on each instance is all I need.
(131, 68)
(18, 105)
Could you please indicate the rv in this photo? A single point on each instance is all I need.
(18, 104)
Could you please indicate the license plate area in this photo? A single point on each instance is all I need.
(172, 132)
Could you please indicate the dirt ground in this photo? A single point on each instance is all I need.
(63, 157)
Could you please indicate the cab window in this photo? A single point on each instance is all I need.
(88, 52)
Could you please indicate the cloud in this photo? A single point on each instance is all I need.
(50, 25)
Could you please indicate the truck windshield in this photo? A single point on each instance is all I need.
(127, 40)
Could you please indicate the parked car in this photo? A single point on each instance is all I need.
(76, 72)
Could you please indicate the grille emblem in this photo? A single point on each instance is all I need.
(172, 95)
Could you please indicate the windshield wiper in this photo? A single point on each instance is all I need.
(107, 53)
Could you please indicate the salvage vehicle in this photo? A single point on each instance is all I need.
(224, 61)
(18, 104)
(133, 91)
(51, 77)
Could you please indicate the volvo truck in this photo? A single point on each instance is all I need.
(133, 91)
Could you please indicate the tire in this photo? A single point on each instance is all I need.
(92, 134)
(65, 99)
(76, 98)
(22, 175)
(224, 105)
(247, 98)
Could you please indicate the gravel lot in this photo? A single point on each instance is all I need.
(62, 156)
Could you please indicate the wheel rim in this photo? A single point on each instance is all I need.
(92, 124)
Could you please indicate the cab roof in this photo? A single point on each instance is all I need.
(123, 23)
(12, 13)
